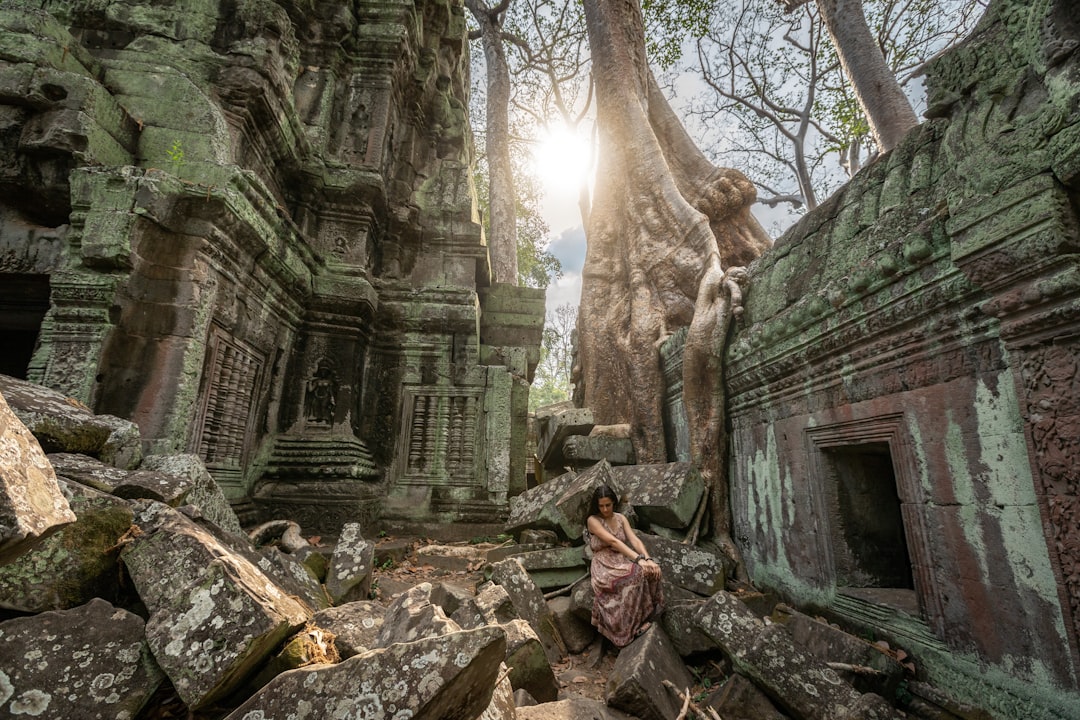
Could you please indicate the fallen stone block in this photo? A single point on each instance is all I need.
(490, 606)
(529, 668)
(173, 490)
(680, 623)
(529, 603)
(413, 616)
(665, 494)
(635, 684)
(74, 565)
(801, 685)
(62, 424)
(573, 708)
(315, 561)
(554, 567)
(696, 569)
(501, 553)
(449, 596)
(214, 615)
(355, 625)
(32, 506)
(449, 557)
(502, 706)
(581, 451)
(535, 508)
(450, 676)
(730, 624)
(204, 492)
(94, 665)
(538, 537)
(554, 430)
(349, 576)
(831, 644)
(581, 599)
(578, 634)
(294, 577)
(739, 699)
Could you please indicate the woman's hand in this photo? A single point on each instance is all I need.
(650, 567)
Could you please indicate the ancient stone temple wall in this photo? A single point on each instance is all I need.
(256, 225)
(903, 384)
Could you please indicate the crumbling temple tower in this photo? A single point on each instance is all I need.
(251, 228)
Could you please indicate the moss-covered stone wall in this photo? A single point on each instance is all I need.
(924, 319)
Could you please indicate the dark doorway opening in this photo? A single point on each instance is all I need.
(24, 300)
(870, 551)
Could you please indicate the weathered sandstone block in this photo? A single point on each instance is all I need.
(439, 678)
(204, 494)
(214, 615)
(349, 575)
(413, 617)
(529, 603)
(696, 569)
(665, 494)
(355, 626)
(32, 507)
(635, 684)
(91, 662)
(529, 667)
(74, 565)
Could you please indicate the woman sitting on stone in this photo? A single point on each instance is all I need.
(625, 580)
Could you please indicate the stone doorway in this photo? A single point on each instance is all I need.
(869, 547)
(24, 300)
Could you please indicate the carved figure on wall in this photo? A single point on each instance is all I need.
(320, 402)
(447, 118)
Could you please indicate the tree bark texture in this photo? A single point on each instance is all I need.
(664, 224)
(886, 107)
(502, 202)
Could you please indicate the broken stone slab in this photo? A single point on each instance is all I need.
(314, 560)
(214, 615)
(635, 684)
(572, 708)
(581, 451)
(294, 577)
(696, 569)
(799, 684)
(739, 699)
(63, 424)
(502, 705)
(170, 489)
(680, 623)
(450, 597)
(555, 429)
(578, 634)
(490, 606)
(666, 494)
(831, 644)
(204, 494)
(349, 576)
(450, 676)
(535, 508)
(494, 555)
(32, 506)
(529, 668)
(450, 557)
(74, 565)
(529, 603)
(90, 662)
(538, 537)
(555, 567)
(413, 616)
(355, 625)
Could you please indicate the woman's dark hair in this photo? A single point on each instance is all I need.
(601, 492)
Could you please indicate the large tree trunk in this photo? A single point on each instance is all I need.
(886, 107)
(502, 201)
(664, 223)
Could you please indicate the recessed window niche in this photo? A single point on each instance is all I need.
(864, 491)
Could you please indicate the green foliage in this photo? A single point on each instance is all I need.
(551, 383)
(176, 155)
(668, 23)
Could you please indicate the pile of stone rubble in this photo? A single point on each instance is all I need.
(121, 575)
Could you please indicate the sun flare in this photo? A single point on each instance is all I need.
(563, 158)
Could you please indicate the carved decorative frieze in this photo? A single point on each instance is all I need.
(1051, 375)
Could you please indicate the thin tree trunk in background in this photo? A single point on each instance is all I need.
(886, 107)
(664, 224)
(502, 200)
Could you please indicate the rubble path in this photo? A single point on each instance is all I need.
(404, 562)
